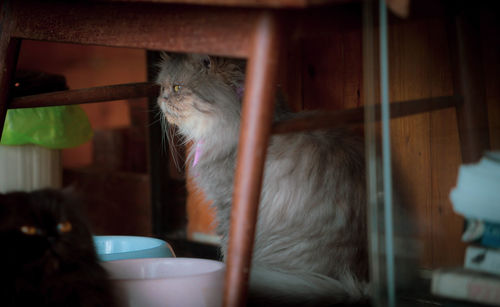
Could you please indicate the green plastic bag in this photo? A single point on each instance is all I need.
(53, 127)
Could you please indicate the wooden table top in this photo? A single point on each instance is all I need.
(247, 3)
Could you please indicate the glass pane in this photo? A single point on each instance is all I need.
(441, 69)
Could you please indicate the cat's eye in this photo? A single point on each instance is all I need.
(29, 230)
(64, 227)
(177, 87)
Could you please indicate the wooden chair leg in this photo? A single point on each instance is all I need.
(258, 108)
(9, 49)
(472, 113)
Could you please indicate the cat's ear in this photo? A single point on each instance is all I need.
(201, 61)
(165, 56)
(207, 62)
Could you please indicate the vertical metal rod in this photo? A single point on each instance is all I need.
(386, 153)
(255, 129)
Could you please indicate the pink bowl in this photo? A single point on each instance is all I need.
(167, 281)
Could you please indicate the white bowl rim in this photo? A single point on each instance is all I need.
(159, 242)
(222, 267)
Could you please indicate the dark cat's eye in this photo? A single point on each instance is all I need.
(30, 230)
(64, 227)
(177, 87)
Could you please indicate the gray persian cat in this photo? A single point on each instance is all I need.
(310, 242)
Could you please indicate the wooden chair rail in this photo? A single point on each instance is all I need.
(323, 120)
(306, 121)
(303, 122)
(87, 95)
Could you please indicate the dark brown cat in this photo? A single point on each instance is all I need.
(48, 256)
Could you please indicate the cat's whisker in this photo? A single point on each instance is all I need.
(154, 122)
(154, 110)
(169, 133)
(163, 135)
(185, 141)
(157, 115)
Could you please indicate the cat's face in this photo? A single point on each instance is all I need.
(42, 227)
(198, 93)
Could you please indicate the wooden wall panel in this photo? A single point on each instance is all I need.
(425, 146)
(290, 75)
(410, 135)
(490, 30)
(332, 68)
(446, 225)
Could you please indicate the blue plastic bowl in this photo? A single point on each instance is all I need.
(129, 247)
